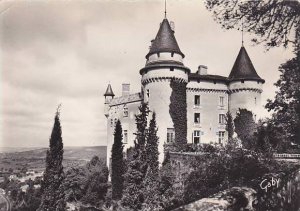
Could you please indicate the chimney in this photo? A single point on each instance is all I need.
(125, 89)
(202, 70)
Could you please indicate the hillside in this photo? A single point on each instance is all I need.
(35, 158)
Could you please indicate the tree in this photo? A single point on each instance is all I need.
(273, 21)
(166, 181)
(229, 125)
(152, 147)
(133, 196)
(117, 163)
(286, 104)
(53, 195)
(151, 185)
(96, 186)
(87, 184)
(245, 127)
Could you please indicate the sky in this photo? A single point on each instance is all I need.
(67, 52)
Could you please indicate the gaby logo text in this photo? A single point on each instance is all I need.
(267, 183)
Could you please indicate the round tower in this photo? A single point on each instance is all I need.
(245, 86)
(164, 64)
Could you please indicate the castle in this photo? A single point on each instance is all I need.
(208, 97)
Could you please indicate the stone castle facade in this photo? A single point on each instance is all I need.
(208, 97)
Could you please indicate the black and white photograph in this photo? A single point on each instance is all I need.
(150, 105)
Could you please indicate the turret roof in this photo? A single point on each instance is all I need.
(165, 40)
(243, 68)
(109, 91)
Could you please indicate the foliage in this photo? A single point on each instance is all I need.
(273, 21)
(224, 169)
(178, 103)
(286, 104)
(133, 196)
(117, 163)
(52, 193)
(151, 184)
(245, 127)
(167, 179)
(87, 184)
(152, 147)
(229, 125)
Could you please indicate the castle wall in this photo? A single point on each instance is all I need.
(127, 121)
(209, 110)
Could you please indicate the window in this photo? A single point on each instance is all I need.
(170, 135)
(125, 111)
(222, 119)
(148, 93)
(197, 100)
(125, 138)
(196, 136)
(221, 136)
(221, 101)
(197, 118)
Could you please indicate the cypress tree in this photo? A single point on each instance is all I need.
(229, 125)
(152, 147)
(151, 183)
(133, 196)
(117, 163)
(52, 191)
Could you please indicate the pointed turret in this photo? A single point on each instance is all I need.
(109, 91)
(243, 68)
(164, 50)
(109, 95)
(164, 41)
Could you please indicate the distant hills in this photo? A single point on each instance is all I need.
(34, 158)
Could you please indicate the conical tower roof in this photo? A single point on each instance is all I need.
(243, 68)
(165, 40)
(109, 91)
